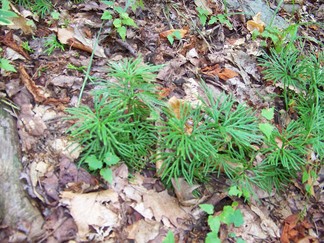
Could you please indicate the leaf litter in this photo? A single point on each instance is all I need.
(79, 206)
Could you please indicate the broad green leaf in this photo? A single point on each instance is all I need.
(170, 39)
(212, 237)
(225, 216)
(208, 208)
(169, 237)
(119, 10)
(109, 3)
(240, 240)
(107, 174)
(129, 22)
(237, 218)
(55, 15)
(93, 162)
(117, 23)
(213, 20)
(5, 65)
(4, 21)
(214, 223)
(305, 176)
(122, 32)
(234, 191)
(177, 34)
(267, 129)
(107, 15)
(124, 15)
(268, 113)
(5, 5)
(7, 14)
(203, 19)
(111, 159)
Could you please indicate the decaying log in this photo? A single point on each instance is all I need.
(16, 210)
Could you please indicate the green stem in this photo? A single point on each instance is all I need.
(87, 74)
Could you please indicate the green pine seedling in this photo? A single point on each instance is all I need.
(51, 44)
(134, 89)
(186, 145)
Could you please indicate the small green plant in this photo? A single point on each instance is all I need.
(134, 90)
(229, 215)
(6, 14)
(76, 68)
(169, 237)
(204, 15)
(186, 145)
(5, 65)
(174, 35)
(121, 21)
(121, 121)
(103, 166)
(55, 15)
(51, 44)
(25, 46)
(279, 39)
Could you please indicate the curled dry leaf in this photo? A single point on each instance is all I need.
(9, 41)
(184, 191)
(255, 24)
(30, 85)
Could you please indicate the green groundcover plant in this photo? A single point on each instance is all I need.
(129, 121)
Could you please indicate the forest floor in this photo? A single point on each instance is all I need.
(79, 206)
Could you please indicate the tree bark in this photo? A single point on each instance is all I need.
(16, 209)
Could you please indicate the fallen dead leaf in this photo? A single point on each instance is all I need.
(9, 41)
(35, 90)
(267, 223)
(96, 209)
(143, 230)
(163, 205)
(182, 32)
(222, 73)
(255, 24)
(184, 191)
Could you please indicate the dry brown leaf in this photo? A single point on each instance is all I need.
(204, 5)
(143, 230)
(30, 85)
(255, 24)
(184, 191)
(96, 209)
(175, 105)
(77, 39)
(182, 32)
(9, 41)
(222, 73)
(163, 205)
